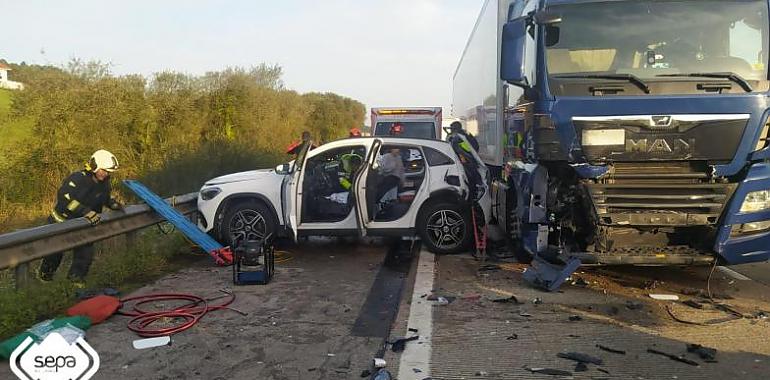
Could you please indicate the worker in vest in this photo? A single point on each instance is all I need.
(457, 128)
(82, 194)
(349, 163)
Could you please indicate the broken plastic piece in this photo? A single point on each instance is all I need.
(705, 353)
(692, 304)
(575, 318)
(580, 357)
(549, 276)
(511, 299)
(379, 363)
(581, 367)
(399, 344)
(550, 371)
(608, 349)
(673, 357)
(141, 344)
(382, 374)
(665, 297)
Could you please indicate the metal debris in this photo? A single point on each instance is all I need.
(547, 276)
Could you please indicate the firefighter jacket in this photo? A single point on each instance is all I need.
(79, 194)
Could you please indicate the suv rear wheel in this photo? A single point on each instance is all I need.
(445, 228)
(246, 220)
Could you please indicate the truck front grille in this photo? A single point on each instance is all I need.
(660, 194)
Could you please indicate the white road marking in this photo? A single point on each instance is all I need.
(733, 274)
(417, 353)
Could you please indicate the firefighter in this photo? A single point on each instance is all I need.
(83, 194)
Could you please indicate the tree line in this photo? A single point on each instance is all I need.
(171, 130)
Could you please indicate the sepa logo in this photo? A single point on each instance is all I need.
(54, 359)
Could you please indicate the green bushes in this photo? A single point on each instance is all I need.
(172, 130)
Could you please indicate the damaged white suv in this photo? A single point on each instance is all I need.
(342, 188)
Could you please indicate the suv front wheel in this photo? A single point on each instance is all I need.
(445, 228)
(246, 220)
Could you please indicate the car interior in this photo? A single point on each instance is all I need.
(328, 183)
(392, 203)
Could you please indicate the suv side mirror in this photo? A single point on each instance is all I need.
(513, 52)
(283, 169)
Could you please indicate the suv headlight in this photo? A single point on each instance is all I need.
(210, 193)
(756, 201)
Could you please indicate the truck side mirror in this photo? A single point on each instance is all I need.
(513, 52)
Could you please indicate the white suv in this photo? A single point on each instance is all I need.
(340, 189)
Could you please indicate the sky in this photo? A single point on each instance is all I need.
(380, 52)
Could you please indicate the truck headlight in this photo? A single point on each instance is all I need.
(756, 201)
(210, 193)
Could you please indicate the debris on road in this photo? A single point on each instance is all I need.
(608, 349)
(575, 318)
(693, 304)
(634, 305)
(547, 276)
(678, 358)
(581, 367)
(141, 344)
(379, 363)
(382, 374)
(665, 297)
(511, 299)
(580, 357)
(398, 345)
(549, 371)
(706, 353)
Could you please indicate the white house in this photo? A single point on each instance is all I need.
(4, 82)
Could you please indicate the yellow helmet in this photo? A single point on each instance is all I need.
(102, 159)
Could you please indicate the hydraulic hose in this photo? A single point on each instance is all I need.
(191, 312)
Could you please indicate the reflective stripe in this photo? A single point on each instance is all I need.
(345, 183)
(67, 196)
(57, 217)
(73, 205)
(72, 184)
(465, 146)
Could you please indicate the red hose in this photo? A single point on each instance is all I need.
(190, 312)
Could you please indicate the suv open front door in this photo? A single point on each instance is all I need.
(362, 195)
(297, 178)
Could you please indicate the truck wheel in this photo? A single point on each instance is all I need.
(246, 220)
(445, 228)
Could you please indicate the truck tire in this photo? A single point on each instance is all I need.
(445, 228)
(249, 219)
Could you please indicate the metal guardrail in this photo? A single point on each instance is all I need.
(20, 247)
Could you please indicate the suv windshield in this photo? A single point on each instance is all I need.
(656, 39)
(418, 129)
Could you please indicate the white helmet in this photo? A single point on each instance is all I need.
(102, 159)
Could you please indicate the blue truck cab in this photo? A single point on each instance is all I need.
(623, 131)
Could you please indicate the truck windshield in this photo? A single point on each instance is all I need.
(418, 129)
(660, 40)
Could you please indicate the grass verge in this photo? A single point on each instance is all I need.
(153, 255)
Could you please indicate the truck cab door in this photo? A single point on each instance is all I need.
(361, 189)
(295, 198)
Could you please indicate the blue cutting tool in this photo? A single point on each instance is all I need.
(222, 255)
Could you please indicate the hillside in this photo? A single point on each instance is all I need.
(11, 132)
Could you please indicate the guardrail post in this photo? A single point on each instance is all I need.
(21, 274)
(131, 239)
